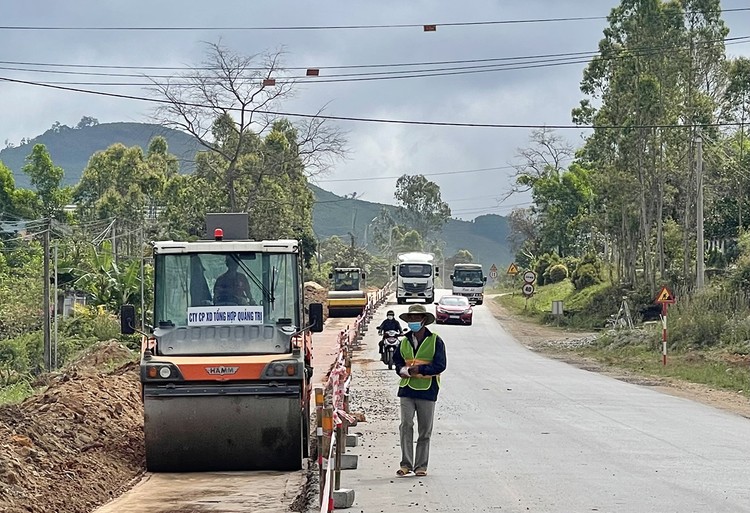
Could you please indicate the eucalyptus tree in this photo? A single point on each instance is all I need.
(734, 146)
(46, 178)
(657, 76)
(421, 206)
(128, 185)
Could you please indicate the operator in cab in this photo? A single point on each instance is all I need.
(232, 287)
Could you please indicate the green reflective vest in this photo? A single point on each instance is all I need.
(425, 354)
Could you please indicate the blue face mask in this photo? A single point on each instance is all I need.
(415, 326)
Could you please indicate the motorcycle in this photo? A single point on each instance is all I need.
(390, 345)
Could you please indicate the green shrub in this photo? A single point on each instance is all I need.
(585, 276)
(544, 262)
(90, 324)
(21, 357)
(571, 263)
(14, 361)
(556, 274)
(711, 317)
(740, 278)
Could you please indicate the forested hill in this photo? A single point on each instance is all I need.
(485, 237)
(71, 148)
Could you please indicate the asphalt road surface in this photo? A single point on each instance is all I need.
(517, 432)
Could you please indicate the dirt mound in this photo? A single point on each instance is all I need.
(315, 293)
(78, 443)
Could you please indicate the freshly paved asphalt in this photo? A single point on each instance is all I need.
(517, 432)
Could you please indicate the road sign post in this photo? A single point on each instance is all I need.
(664, 298)
(528, 286)
(493, 273)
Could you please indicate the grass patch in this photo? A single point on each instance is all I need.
(15, 393)
(709, 333)
(584, 309)
(541, 302)
(717, 367)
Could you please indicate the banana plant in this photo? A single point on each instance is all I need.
(108, 283)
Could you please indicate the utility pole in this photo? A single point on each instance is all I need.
(54, 357)
(45, 302)
(143, 289)
(700, 267)
(114, 241)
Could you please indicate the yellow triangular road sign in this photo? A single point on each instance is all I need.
(512, 269)
(665, 296)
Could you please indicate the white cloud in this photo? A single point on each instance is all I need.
(531, 96)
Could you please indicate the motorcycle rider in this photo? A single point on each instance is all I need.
(389, 323)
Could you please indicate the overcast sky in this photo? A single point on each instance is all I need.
(543, 95)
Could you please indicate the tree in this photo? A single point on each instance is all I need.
(660, 65)
(734, 152)
(46, 178)
(225, 105)
(547, 153)
(108, 283)
(128, 185)
(87, 121)
(405, 240)
(462, 256)
(420, 204)
(272, 186)
(382, 232)
(7, 190)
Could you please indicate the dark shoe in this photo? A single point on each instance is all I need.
(403, 471)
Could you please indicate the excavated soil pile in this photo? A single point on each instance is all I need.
(315, 293)
(77, 443)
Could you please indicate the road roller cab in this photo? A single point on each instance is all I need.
(347, 297)
(226, 370)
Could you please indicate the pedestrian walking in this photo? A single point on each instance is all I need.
(419, 361)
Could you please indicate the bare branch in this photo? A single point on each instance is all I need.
(547, 153)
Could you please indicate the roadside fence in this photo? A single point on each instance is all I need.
(332, 411)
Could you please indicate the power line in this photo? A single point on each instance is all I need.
(343, 66)
(492, 208)
(494, 196)
(452, 124)
(500, 64)
(466, 171)
(319, 27)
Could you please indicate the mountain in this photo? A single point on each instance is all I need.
(485, 237)
(71, 148)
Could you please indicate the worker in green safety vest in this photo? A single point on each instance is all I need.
(419, 362)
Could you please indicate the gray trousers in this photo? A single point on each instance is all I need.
(425, 411)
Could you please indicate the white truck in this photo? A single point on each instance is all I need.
(468, 280)
(415, 277)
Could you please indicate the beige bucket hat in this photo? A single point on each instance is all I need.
(418, 310)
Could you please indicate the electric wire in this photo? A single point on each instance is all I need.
(323, 27)
(374, 178)
(391, 121)
(511, 64)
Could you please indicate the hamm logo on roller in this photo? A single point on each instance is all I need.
(221, 371)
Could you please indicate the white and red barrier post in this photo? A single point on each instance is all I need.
(664, 298)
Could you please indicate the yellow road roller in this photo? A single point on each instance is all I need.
(225, 370)
(346, 297)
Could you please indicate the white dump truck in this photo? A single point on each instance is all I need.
(468, 280)
(415, 277)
